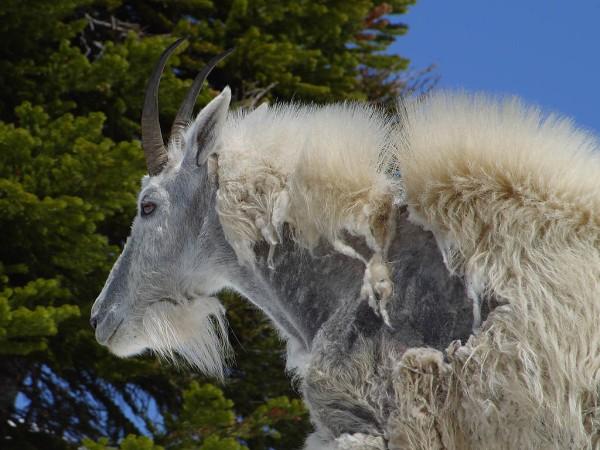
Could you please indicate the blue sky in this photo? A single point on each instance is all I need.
(545, 51)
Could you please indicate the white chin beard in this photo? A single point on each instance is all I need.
(195, 332)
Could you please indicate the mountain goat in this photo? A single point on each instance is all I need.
(377, 247)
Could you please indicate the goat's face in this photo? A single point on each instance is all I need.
(157, 295)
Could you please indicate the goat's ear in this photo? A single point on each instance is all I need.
(206, 129)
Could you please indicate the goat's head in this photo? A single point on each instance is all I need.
(157, 295)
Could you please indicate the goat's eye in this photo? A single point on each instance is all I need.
(148, 208)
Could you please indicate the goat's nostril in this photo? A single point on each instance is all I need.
(94, 322)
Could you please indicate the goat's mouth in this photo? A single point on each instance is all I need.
(115, 331)
(108, 328)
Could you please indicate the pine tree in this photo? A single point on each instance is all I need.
(72, 77)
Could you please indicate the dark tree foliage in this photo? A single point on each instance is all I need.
(72, 77)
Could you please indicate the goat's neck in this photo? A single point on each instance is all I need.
(303, 289)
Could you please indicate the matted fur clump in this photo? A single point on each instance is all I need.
(513, 198)
(316, 168)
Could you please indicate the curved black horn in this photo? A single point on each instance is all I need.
(184, 115)
(152, 141)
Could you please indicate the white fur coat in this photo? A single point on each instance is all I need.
(513, 199)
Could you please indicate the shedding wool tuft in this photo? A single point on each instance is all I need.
(319, 169)
(195, 332)
(513, 198)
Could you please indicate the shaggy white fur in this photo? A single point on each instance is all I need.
(317, 169)
(513, 198)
